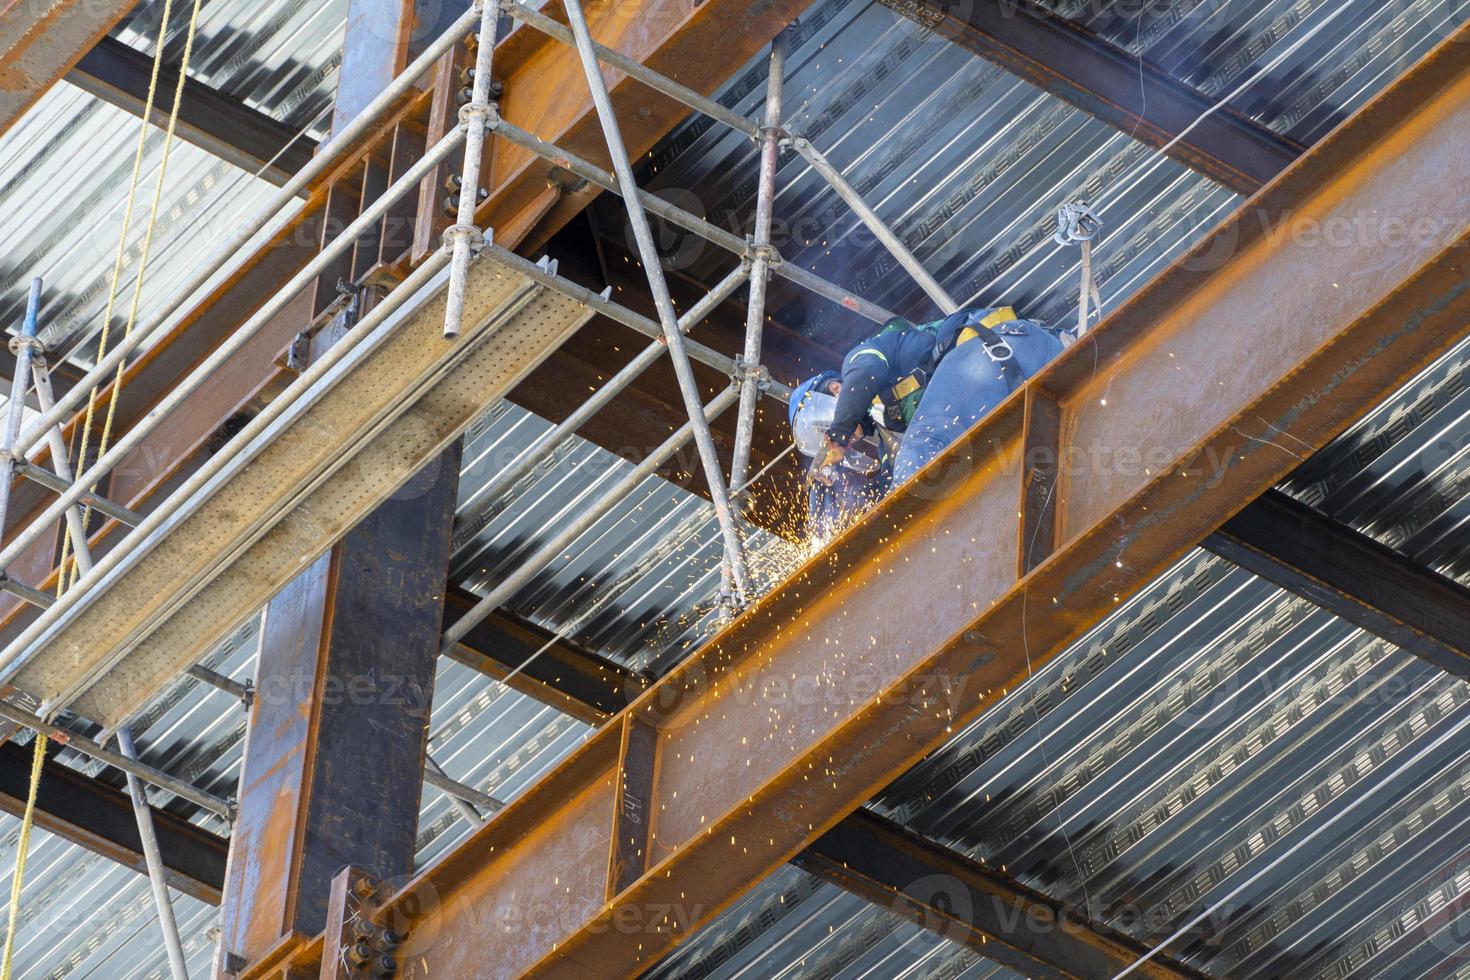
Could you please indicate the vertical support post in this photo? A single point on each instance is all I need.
(633, 817)
(875, 224)
(749, 368)
(475, 117)
(638, 218)
(24, 346)
(157, 875)
(1040, 478)
(335, 752)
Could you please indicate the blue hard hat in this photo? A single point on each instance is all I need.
(805, 388)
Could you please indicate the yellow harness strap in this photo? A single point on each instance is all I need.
(1004, 314)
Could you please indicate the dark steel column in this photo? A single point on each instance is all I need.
(334, 759)
(1353, 576)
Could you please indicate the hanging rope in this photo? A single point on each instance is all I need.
(22, 851)
(39, 755)
(63, 581)
(1078, 224)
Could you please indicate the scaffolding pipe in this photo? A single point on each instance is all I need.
(156, 874)
(84, 745)
(616, 311)
(586, 518)
(760, 263)
(542, 448)
(875, 224)
(24, 347)
(416, 280)
(678, 216)
(76, 525)
(464, 237)
(219, 360)
(704, 441)
(62, 482)
(644, 74)
(325, 159)
(463, 798)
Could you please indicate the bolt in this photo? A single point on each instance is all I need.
(361, 953)
(389, 940)
(386, 965)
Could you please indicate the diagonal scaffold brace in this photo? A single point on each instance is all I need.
(738, 588)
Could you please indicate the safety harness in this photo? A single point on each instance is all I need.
(899, 402)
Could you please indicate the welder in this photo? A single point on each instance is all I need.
(980, 356)
(840, 485)
(846, 423)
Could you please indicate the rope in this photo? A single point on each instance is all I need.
(1078, 224)
(39, 756)
(22, 851)
(63, 581)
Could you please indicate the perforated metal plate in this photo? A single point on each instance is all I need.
(389, 412)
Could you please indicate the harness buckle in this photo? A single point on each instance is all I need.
(990, 350)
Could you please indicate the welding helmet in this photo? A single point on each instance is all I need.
(811, 413)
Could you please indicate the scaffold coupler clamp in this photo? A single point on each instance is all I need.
(470, 233)
(746, 371)
(19, 343)
(486, 113)
(767, 252)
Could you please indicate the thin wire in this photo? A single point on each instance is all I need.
(1036, 714)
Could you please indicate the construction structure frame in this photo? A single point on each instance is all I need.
(599, 841)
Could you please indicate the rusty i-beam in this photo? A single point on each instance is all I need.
(1336, 284)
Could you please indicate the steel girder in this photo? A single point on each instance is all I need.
(40, 40)
(1334, 286)
(1112, 85)
(208, 118)
(1353, 576)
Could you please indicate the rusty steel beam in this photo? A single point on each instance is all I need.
(334, 754)
(1108, 83)
(209, 119)
(98, 817)
(587, 687)
(40, 40)
(866, 854)
(1196, 396)
(969, 903)
(1352, 576)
